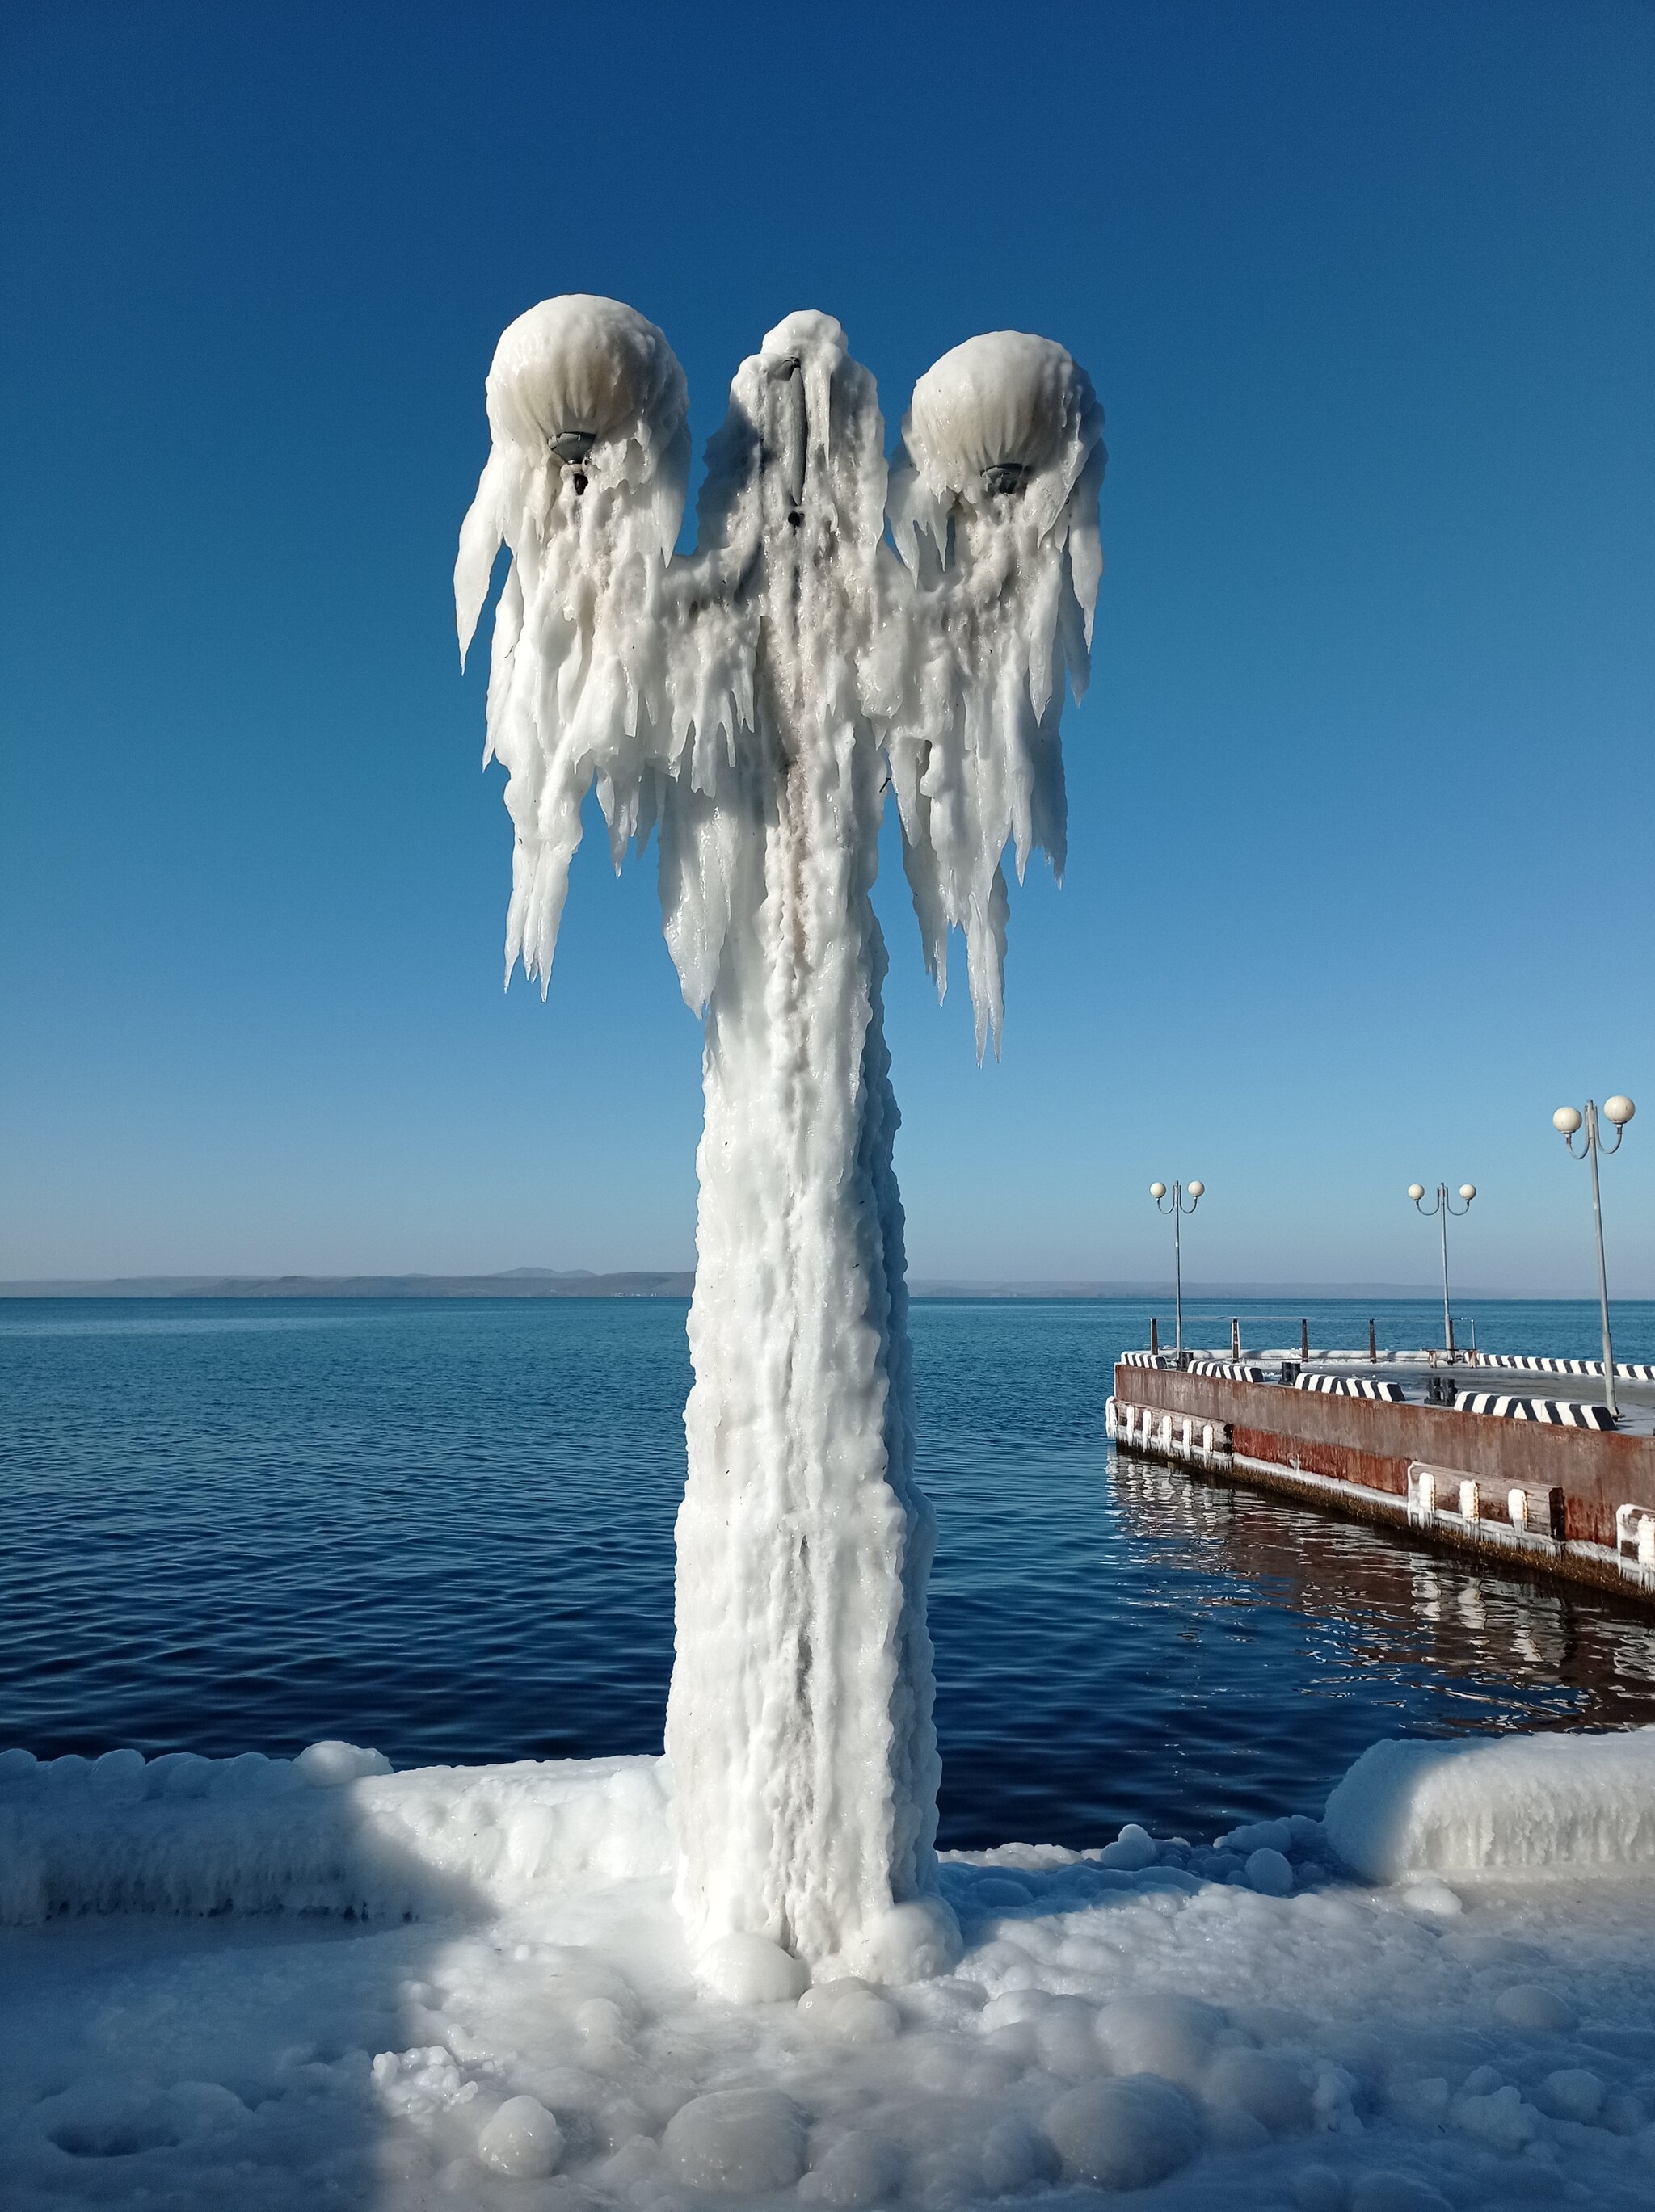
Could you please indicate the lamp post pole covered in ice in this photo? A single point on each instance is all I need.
(751, 703)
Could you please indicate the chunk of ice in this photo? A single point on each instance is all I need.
(1499, 1805)
(522, 2141)
(736, 2141)
(1125, 2133)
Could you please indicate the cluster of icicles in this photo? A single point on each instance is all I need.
(617, 663)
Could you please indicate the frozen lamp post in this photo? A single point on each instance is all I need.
(1568, 1122)
(750, 703)
(1174, 1203)
(1444, 1206)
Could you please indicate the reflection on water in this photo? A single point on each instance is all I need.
(1393, 1607)
(1203, 1654)
(446, 1530)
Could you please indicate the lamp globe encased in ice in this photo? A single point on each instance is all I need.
(1619, 1109)
(579, 369)
(1566, 1119)
(1416, 1191)
(994, 406)
(996, 412)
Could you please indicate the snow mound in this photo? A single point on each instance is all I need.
(1501, 1805)
(333, 1831)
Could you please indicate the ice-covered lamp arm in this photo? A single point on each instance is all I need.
(584, 485)
(995, 512)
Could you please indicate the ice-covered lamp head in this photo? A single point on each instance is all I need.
(583, 394)
(579, 371)
(991, 413)
(1005, 416)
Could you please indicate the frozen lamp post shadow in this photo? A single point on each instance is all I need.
(1172, 1202)
(1444, 1206)
(751, 703)
(1568, 1122)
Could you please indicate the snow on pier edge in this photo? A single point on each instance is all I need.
(467, 1985)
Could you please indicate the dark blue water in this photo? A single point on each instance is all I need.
(445, 1529)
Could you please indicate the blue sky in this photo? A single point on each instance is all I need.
(1360, 884)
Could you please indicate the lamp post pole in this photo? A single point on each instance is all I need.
(1172, 1202)
(1444, 1206)
(1566, 1121)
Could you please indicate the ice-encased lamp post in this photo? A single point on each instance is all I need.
(751, 702)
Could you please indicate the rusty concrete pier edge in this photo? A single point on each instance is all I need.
(1578, 1505)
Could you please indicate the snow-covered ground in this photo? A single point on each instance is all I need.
(256, 1983)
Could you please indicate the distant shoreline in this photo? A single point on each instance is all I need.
(577, 1283)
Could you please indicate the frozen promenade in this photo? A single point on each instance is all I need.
(276, 1985)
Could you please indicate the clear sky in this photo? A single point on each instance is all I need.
(1361, 874)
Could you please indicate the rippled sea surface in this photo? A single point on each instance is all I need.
(445, 1529)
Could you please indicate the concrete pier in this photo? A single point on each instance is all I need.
(1506, 1463)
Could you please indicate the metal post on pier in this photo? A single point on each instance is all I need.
(1235, 1341)
(1565, 1121)
(1444, 1206)
(1372, 1344)
(1178, 1209)
(1304, 1340)
(1154, 1335)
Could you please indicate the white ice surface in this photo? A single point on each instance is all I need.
(1154, 2015)
(1499, 1805)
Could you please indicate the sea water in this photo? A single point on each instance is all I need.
(445, 1529)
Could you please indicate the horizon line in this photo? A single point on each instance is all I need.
(679, 1282)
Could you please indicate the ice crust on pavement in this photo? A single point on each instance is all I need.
(273, 1983)
(1499, 1805)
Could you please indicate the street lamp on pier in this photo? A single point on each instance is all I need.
(1444, 1206)
(1172, 1202)
(1567, 1120)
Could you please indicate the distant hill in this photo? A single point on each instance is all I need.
(515, 1283)
(666, 1283)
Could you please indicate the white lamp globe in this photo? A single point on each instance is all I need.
(1566, 1119)
(1468, 1192)
(1157, 1190)
(1416, 1192)
(1195, 1188)
(1619, 1109)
